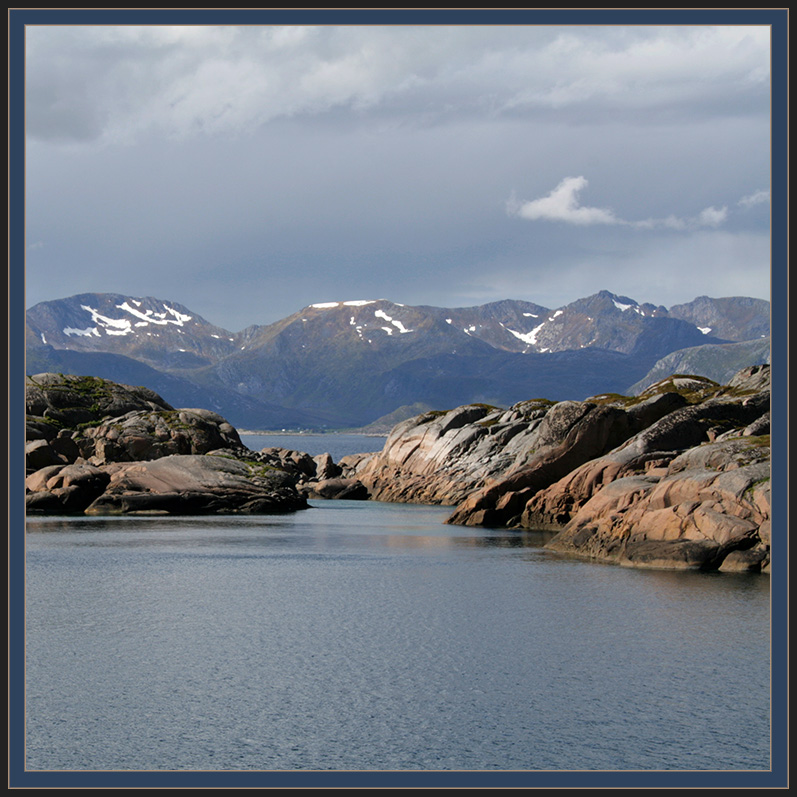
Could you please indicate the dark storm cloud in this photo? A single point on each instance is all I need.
(247, 172)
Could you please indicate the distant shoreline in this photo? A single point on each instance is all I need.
(309, 434)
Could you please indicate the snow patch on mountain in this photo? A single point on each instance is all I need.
(396, 323)
(122, 326)
(530, 337)
(620, 305)
(84, 332)
(706, 330)
(151, 317)
(112, 326)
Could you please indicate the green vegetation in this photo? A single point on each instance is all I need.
(256, 467)
(605, 399)
(427, 417)
(488, 423)
(698, 389)
(88, 424)
(751, 489)
(758, 441)
(172, 418)
(44, 419)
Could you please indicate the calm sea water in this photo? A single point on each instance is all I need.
(360, 635)
(338, 445)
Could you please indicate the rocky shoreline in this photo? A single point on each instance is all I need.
(98, 448)
(677, 477)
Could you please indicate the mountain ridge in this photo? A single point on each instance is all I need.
(349, 362)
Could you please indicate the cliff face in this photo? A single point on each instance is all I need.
(678, 477)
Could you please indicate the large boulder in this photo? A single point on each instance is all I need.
(611, 437)
(179, 485)
(144, 435)
(67, 489)
(192, 485)
(63, 400)
(349, 489)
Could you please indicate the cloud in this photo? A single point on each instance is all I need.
(663, 68)
(118, 82)
(562, 204)
(756, 198)
(712, 217)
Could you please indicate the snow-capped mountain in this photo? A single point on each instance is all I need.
(352, 361)
(160, 333)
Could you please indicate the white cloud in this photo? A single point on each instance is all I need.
(562, 205)
(712, 217)
(756, 198)
(660, 68)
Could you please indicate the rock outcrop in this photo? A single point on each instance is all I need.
(193, 484)
(478, 452)
(97, 447)
(142, 435)
(709, 508)
(56, 402)
(676, 477)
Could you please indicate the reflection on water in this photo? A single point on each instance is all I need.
(359, 635)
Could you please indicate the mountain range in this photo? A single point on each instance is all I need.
(348, 363)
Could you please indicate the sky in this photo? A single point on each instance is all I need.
(247, 172)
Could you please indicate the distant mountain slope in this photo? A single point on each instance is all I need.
(178, 391)
(719, 363)
(347, 363)
(734, 318)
